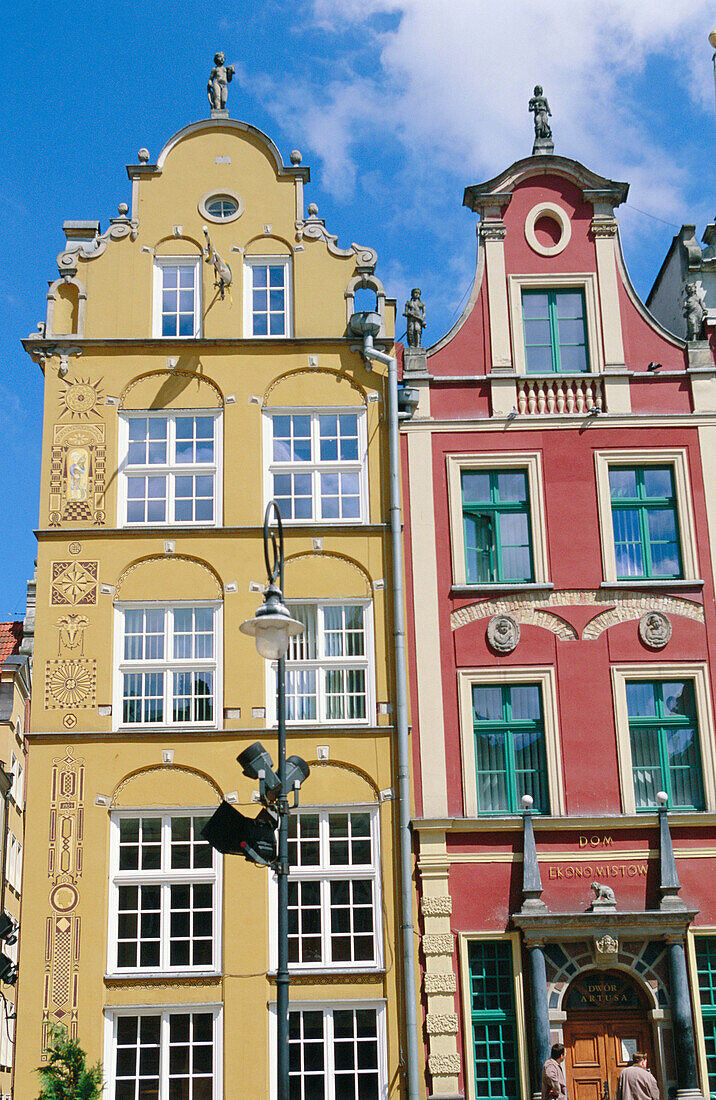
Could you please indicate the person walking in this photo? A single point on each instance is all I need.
(636, 1082)
(554, 1084)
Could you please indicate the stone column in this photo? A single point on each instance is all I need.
(687, 1080)
(539, 1011)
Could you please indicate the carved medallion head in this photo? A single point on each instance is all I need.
(503, 633)
(654, 629)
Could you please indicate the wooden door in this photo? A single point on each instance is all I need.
(598, 1050)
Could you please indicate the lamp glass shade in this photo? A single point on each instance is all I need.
(271, 634)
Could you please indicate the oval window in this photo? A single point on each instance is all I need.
(221, 206)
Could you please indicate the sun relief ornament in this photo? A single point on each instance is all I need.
(503, 633)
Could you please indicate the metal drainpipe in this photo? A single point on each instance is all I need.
(401, 691)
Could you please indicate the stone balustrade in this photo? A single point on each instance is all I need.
(559, 395)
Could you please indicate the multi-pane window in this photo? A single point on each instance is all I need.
(337, 1053)
(664, 736)
(170, 469)
(645, 521)
(705, 950)
(555, 331)
(268, 298)
(177, 298)
(317, 466)
(510, 754)
(168, 665)
(496, 516)
(163, 912)
(165, 1054)
(328, 666)
(494, 1025)
(334, 889)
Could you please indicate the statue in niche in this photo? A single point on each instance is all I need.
(694, 311)
(540, 107)
(219, 79)
(415, 313)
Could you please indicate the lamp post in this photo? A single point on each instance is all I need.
(271, 628)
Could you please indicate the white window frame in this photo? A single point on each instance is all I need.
(316, 467)
(325, 873)
(250, 262)
(677, 458)
(112, 1014)
(169, 469)
(587, 283)
(698, 674)
(167, 665)
(165, 877)
(506, 677)
(160, 262)
(328, 1008)
(531, 464)
(323, 664)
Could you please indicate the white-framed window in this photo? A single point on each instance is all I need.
(509, 732)
(554, 322)
(170, 465)
(177, 297)
(164, 1052)
(267, 296)
(334, 895)
(497, 519)
(665, 736)
(336, 1051)
(165, 905)
(646, 516)
(316, 463)
(13, 862)
(17, 789)
(329, 667)
(167, 662)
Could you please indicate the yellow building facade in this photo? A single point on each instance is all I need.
(176, 406)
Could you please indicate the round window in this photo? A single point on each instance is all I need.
(221, 206)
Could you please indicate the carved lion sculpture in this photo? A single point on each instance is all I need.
(602, 893)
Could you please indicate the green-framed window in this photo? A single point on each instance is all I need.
(496, 517)
(494, 1025)
(555, 331)
(645, 522)
(664, 735)
(705, 947)
(510, 755)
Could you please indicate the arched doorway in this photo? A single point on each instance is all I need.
(607, 1021)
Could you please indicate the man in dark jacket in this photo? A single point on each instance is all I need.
(635, 1082)
(554, 1084)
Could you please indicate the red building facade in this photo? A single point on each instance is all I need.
(560, 518)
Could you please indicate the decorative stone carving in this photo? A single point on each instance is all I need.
(539, 106)
(607, 945)
(694, 310)
(441, 1023)
(440, 983)
(604, 226)
(70, 684)
(444, 1065)
(314, 228)
(493, 230)
(219, 79)
(73, 583)
(415, 313)
(80, 398)
(604, 897)
(437, 907)
(438, 945)
(654, 629)
(503, 633)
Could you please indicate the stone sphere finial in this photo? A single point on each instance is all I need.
(527, 801)
(662, 797)
(712, 39)
(295, 156)
(312, 209)
(123, 209)
(143, 155)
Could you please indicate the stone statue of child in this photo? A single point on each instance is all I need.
(415, 313)
(694, 311)
(219, 79)
(540, 107)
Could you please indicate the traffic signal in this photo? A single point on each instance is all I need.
(8, 934)
(232, 832)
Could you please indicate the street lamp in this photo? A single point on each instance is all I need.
(272, 627)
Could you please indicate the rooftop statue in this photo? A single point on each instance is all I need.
(415, 313)
(694, 310)
(219, 79)
(543, 131)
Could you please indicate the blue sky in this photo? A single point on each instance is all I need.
(396, 106)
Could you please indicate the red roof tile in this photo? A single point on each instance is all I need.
(10, 639)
